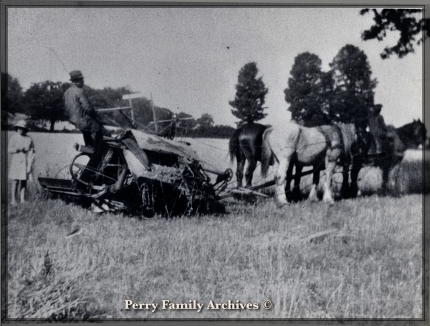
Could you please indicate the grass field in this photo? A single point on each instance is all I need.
(359, 258)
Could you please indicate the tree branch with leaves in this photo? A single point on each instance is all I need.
(408, 22)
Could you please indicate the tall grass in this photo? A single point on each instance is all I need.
(357, 259)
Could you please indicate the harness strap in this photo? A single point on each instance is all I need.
(329, 140)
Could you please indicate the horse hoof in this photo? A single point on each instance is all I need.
(328, 200)
(280, 202)
(281, 205)
(382, 193)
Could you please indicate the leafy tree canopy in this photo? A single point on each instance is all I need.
(205, 121)
(44, 101)
(248, 104)
(106, 97)
(12, 94)
(308, 90)
(407, 22)
(353, 91)
(186, 122)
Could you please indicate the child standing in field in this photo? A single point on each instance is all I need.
(21, 147)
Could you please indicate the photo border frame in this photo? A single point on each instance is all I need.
(5, 4)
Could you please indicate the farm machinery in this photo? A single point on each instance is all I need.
(143, 174)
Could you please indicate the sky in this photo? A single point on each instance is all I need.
(188, 59)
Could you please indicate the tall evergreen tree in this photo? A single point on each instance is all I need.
(353, 93)
(248, 104)
(308, 91)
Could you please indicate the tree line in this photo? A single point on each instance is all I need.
(344, 93)
(43, 103)
(315, 97)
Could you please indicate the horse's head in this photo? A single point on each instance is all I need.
(419, 132)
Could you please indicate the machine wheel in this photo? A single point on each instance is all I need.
(76, 168)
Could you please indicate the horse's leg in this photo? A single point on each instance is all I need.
(280, 178)
(385, 167)
(252, 164)
(397, 186)
(288, 181)
(297, 196)
(385, 180)
(345, 190)
(315, 180)
(394, 171)
(330, 164)
(355, 170)
(239, 172)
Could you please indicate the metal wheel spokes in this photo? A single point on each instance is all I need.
(77, 167)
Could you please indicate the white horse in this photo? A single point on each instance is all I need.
(319, 147)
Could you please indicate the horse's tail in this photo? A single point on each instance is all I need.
(267, 156)
(233, 145)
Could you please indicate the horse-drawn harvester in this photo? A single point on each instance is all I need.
(143, 174)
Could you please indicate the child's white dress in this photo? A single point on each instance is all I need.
(22, 161)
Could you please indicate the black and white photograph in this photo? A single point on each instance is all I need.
(213, 161)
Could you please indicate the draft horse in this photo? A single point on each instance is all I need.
(320, 147)
(354, 146)
(245, 145)
(398, 140)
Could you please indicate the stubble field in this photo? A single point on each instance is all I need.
(357, 259)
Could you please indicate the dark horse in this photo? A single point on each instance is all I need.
(245, 145)
(398, 140)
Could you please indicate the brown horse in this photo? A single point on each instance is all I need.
(397, 141)
(245, 145)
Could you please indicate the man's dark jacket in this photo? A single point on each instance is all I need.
(81, 112)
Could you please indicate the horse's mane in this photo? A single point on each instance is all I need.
(391, 128)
